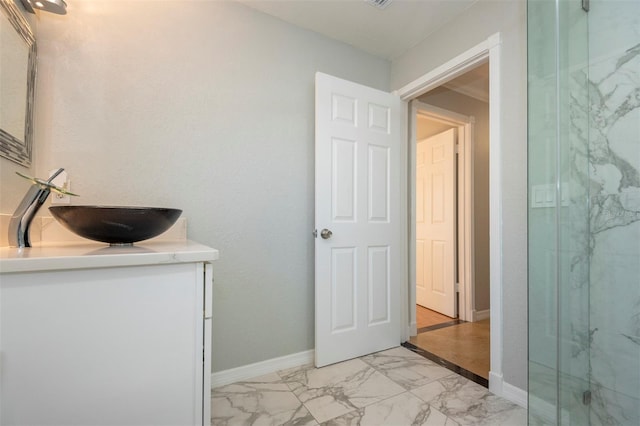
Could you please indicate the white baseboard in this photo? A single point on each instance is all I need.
(515, 394)
(225, 377)
(498, 386)
(495, 383)
(412, 330)
(480, 315)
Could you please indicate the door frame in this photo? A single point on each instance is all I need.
(464, 192)
(487, 49)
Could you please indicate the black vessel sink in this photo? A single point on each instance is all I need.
(115, 225)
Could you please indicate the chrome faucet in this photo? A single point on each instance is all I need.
(34, 198)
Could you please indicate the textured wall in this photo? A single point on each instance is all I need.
(209, 107)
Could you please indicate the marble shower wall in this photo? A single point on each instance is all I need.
(614, 194)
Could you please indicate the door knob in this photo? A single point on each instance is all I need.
(326, 234)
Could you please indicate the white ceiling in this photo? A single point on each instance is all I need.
(386, 33)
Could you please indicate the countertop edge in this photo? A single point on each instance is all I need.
(87, 256)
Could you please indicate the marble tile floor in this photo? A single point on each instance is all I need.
(395, 387)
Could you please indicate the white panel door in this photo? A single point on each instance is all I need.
(436, 223)
(357, 266)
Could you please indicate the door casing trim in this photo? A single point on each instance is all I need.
(487, 49)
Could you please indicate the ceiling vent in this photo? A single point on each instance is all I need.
(380, 4)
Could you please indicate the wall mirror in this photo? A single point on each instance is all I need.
(17, 84)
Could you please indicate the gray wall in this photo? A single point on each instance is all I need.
(483, 19)
(209, 107)
(456, 102)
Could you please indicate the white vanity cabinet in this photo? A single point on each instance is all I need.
(109, 336)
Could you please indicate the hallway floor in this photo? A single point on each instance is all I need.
(426, 318)
(395, 387)
(463, 344)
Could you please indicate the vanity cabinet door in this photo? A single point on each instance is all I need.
(117, 346)
(207, 348)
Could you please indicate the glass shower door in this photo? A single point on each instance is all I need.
(558, 212)
(584, 212)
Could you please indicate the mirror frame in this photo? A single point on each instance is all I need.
(18, 148)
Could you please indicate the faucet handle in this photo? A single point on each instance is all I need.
(47, 183)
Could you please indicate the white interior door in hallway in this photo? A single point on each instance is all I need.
(436, 223)
(358, 245)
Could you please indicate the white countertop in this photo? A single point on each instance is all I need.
(61, 256)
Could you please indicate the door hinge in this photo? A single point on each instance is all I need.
(585, 5)
(586, 397)
(456, 287)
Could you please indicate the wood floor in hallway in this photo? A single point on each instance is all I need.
(427, 318)
(466, 344)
